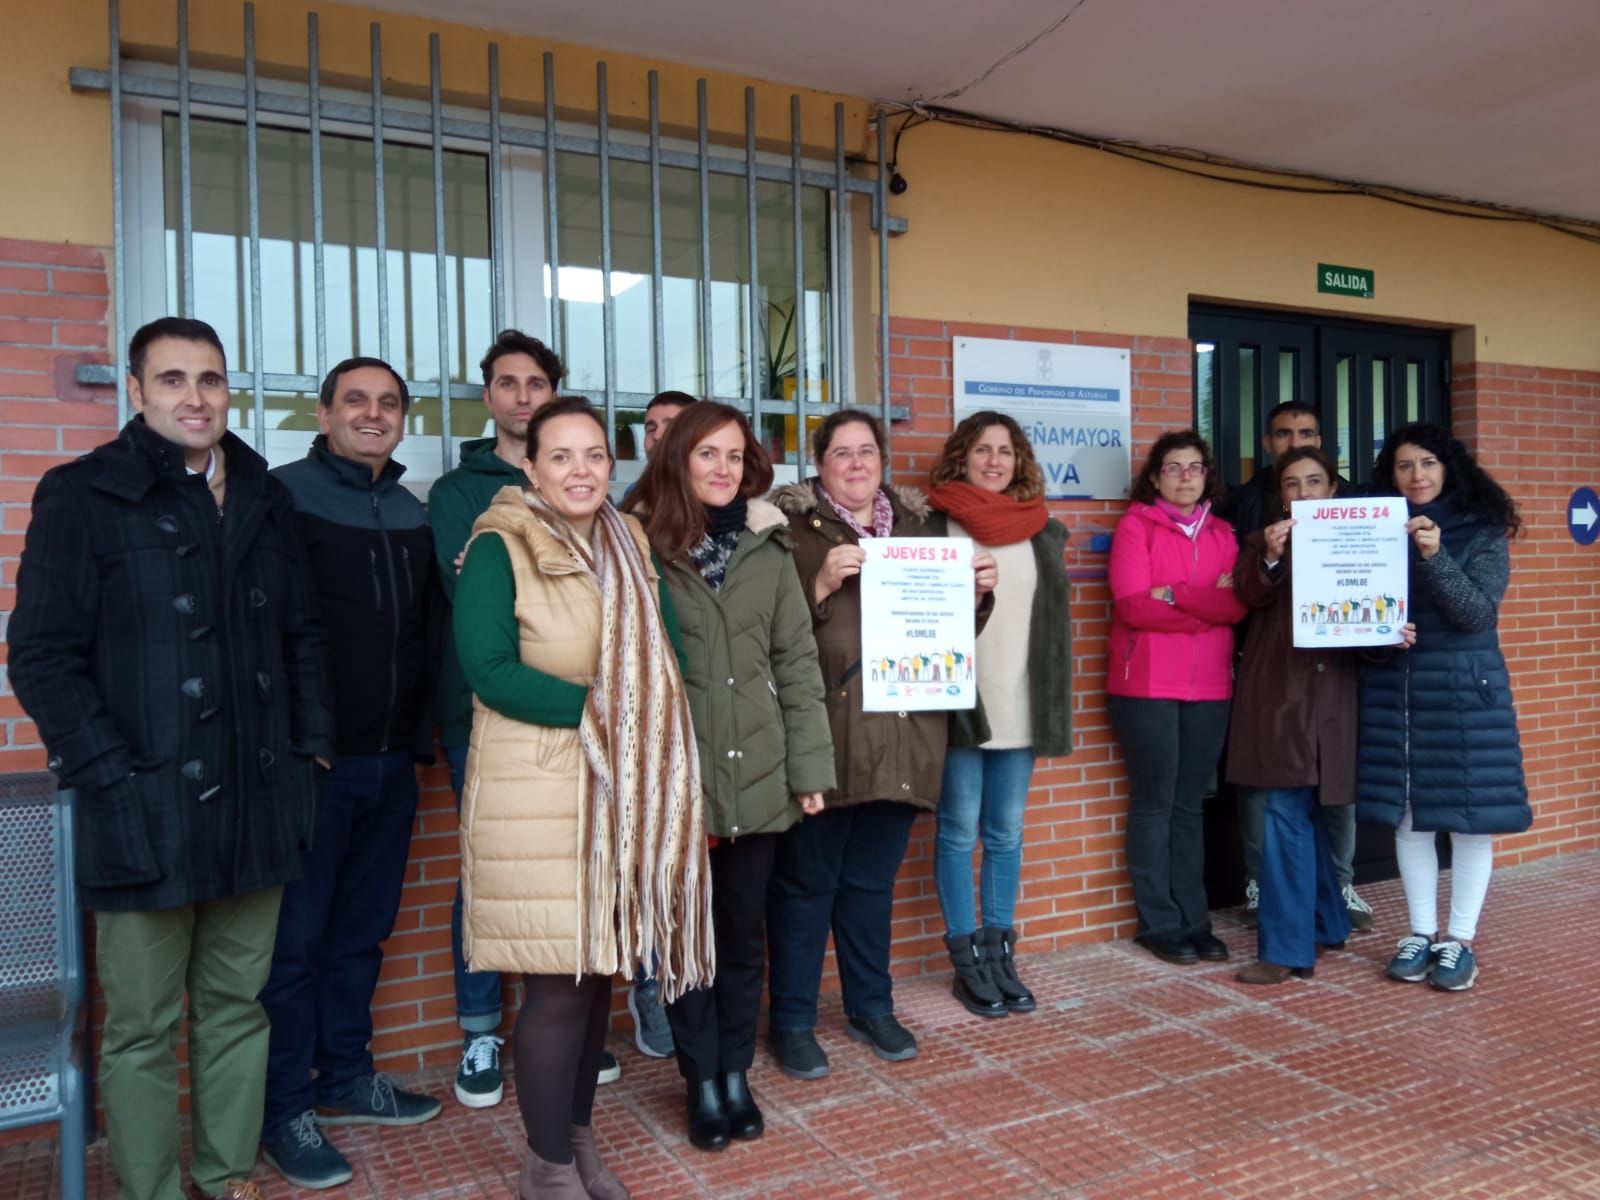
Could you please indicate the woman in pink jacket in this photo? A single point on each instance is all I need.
(1169, 679)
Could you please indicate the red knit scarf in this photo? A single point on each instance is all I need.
(992, 518)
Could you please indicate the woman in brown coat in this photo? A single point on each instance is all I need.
(836, 870)
(583, 849)
(1294, 735)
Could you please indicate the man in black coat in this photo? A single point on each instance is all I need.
(165, 641)
(370, 553)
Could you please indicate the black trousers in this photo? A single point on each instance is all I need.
(714, 1028)
(836, 871)
(1171, 748)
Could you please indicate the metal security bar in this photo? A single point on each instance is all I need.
(496, 137)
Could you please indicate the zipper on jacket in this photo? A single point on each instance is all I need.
(377, 588)
(394, 623)
(1405, 725)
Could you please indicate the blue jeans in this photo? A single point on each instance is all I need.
(1301, 904)
(1338, 822)
(477, 992)
(331, 926)
(984, 795)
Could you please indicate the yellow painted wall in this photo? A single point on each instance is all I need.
(1005, 229)
(65, 138)
(1014, 230)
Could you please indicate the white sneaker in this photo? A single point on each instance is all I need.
(1360, 910)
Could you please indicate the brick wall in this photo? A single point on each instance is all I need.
(53, 316)
(1539, 431)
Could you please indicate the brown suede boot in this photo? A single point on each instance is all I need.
(1265, 972)
(598, 1179)
(541, 1180)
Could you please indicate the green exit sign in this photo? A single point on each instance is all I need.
(1345, 281)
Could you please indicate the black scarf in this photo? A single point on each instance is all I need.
(711, 554)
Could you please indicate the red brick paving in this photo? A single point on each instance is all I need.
(1134, 1079)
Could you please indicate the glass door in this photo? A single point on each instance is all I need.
(1364, 380)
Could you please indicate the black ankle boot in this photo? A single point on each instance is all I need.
(708, 1119)
(744, 1118)
(972, 985)
(998, 947)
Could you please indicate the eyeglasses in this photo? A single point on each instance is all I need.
(1183, 470)
(845, 454)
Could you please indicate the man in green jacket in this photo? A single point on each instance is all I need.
(520, 373)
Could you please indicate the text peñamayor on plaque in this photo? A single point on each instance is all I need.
(918, 636)
(1350, 571)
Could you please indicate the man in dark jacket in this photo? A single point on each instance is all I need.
(165, 640)
(520, 374)
(371, 560)
(1254, 506)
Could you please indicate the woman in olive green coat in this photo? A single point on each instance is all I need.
(755, 693)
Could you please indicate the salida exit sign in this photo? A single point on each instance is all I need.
(1345, 281)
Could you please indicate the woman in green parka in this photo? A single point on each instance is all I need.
(756, 696)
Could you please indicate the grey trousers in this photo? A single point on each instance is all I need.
(1338, 822)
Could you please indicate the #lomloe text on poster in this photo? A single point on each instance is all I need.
(918, 636)
(1350, 571)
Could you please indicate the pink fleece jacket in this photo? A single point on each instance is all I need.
(1182, 650)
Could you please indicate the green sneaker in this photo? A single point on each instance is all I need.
(610, 1071)
(479, 1083)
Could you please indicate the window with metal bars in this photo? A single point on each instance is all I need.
(262, 207)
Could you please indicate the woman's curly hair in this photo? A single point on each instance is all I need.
(1471, 487)
(1026, 484)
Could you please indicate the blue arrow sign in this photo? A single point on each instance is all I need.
(1583, 516)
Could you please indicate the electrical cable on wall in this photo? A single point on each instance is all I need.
(1194, 163)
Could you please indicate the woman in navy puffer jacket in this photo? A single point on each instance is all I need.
(1438, 733)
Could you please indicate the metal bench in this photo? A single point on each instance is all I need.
(43, 1046)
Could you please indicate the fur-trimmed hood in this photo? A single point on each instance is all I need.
(797, 499)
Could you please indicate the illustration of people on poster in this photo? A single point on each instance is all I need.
(1350, 571)
(918, 636)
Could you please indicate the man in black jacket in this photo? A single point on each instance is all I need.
(165, 640)
(371, 560)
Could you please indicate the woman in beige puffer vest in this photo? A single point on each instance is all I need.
(582, 838)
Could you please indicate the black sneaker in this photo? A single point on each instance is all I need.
(479, 1083)
(798, 1054)
(889, 1039)
(376, 1101)
(610, 1069)
(300, 1153)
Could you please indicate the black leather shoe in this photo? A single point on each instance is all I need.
(744, 1118)
(708, 1120)
(798, 1054)
(1208, 947)
(888, 1038)
(1169, 949)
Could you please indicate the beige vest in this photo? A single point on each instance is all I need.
(519, 804)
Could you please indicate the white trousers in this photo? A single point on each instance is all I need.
(1471, 860)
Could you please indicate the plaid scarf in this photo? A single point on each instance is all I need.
(641, 828)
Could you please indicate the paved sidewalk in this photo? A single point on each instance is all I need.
(1133, 1079)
